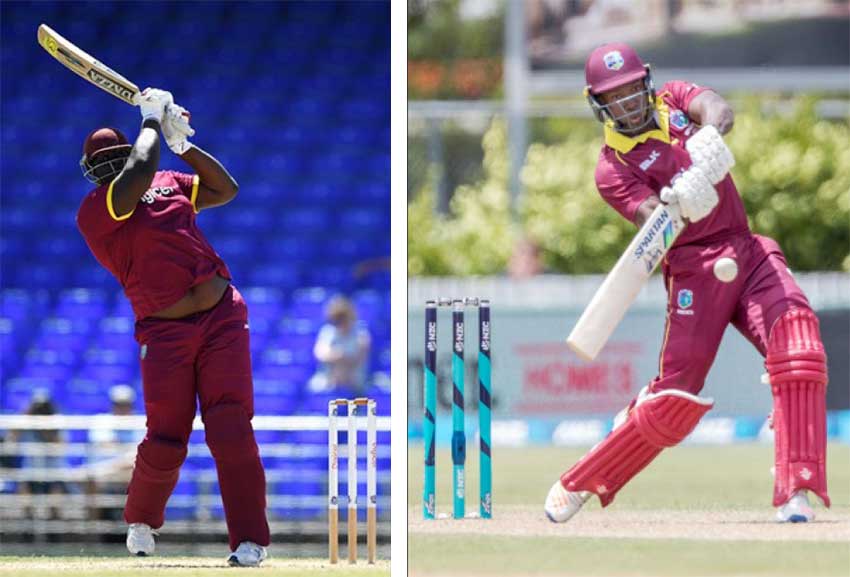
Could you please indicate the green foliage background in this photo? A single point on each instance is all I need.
(793, 172)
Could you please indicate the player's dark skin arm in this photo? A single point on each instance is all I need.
(645, 209)
(141, 166)
(217, 187)
(710, 108)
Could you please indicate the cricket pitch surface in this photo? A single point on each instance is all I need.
(700, 511)
(756, 525)
(68, 566)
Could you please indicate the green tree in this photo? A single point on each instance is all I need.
(793, 172)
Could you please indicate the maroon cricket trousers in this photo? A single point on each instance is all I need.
(203, 356)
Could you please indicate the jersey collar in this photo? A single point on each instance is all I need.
(624, 144)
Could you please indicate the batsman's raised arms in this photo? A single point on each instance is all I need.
(87, 66)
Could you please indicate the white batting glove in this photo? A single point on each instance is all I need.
(152, 103)
(176, 128)
(694, 194)
(710, 153)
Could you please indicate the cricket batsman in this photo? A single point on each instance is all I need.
(666, 147)
(191, 323)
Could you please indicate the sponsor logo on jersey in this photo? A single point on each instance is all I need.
(679, 119)
(653, 156)
(152, 194)
(613, 60)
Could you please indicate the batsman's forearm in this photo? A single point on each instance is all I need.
(721, 117)
(210, 171)
(145, 152)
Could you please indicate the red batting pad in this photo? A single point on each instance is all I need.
(659, 420)
(796, 363)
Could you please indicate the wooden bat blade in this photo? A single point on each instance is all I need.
(622, 285)
(86, 66)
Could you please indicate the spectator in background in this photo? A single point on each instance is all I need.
(35, 458)
(112, 454)
(525, 260)
(342, 350)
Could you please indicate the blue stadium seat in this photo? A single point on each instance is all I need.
(111, 374)
(263, 301)
(339, 278)
(280, 275)
(83, 303)
(274, 404)
(282, 376)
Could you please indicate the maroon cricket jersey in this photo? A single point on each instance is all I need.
(157, 252)
(630, 169)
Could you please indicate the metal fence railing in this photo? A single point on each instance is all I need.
(70, 487)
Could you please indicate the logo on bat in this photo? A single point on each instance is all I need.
(648, 250)
(110, 85)
(668, 234)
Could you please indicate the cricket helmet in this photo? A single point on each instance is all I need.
(611, 66)
(105, 151)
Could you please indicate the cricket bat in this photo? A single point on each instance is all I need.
(622, 285)
(87, 66)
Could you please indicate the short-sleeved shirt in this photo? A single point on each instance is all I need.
(157, 252)
(630, 169)
(344, 373)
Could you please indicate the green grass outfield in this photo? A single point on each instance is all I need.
(696, 511)
(178, 567)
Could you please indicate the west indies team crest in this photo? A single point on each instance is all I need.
(678, 119)
(613, 60)
(686, 298)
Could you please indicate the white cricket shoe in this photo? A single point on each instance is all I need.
(796, 510)
(248, 554)
(140, 540)
(561, 504)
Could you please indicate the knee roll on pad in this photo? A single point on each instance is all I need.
(657, 421)
(229, 433)
(159, 459)
(796, 364)
(667, 417)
